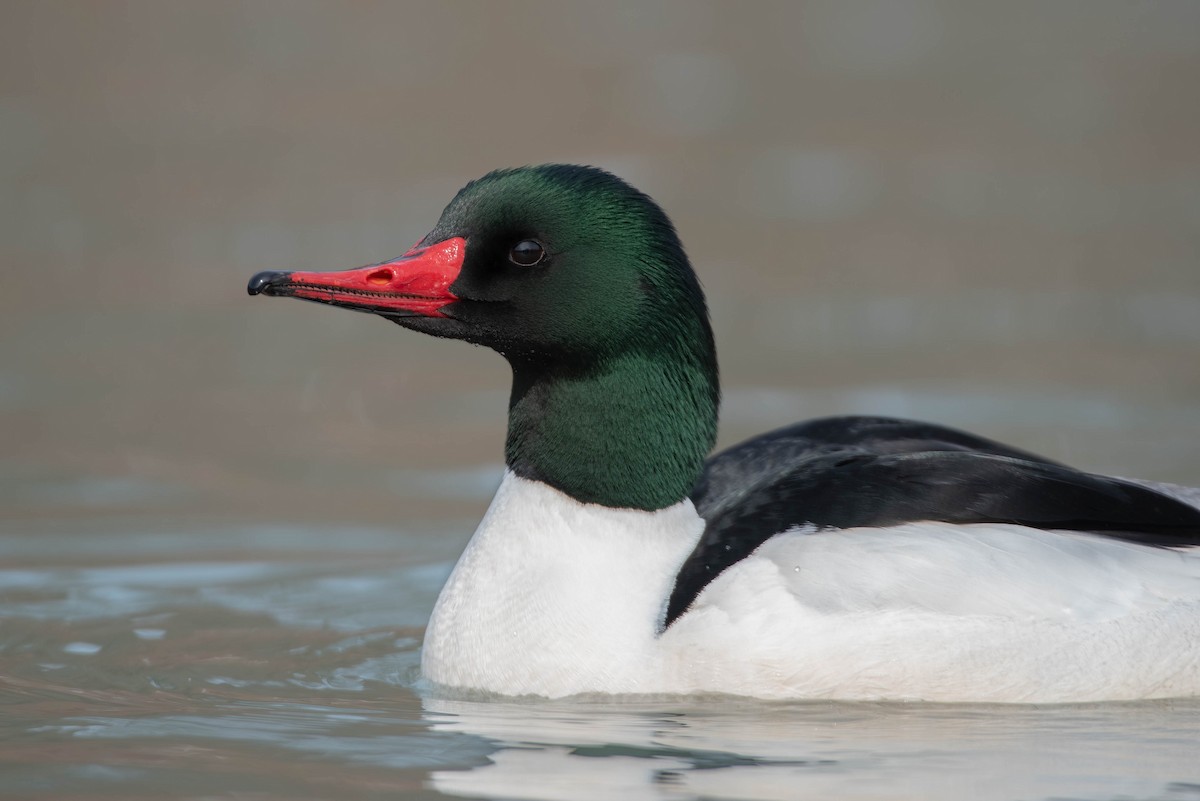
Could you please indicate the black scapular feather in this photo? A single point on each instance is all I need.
(848, 472)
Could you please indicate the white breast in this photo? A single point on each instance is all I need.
(556, 597)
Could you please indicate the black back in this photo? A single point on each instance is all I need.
(846, 472)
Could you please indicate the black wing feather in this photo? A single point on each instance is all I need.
(847, 472)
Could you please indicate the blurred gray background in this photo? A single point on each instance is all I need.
(982, 214)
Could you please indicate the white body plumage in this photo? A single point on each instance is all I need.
(555, 597)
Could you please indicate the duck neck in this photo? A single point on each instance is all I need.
(629, 431)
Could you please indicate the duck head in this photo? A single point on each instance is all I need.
(580, 281)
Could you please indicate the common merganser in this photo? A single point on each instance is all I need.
(849, 557)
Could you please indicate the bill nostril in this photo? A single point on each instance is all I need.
(381, 277)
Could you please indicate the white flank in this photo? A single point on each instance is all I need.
(554, 597)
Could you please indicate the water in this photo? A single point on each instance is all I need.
(223, 520)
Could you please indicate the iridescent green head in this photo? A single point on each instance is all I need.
(580, 281)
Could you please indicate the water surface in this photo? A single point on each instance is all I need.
(223, 520)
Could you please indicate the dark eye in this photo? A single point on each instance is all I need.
(527, 253)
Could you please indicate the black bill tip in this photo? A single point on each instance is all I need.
(263, 283)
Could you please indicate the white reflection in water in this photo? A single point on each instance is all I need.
(730, 748)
